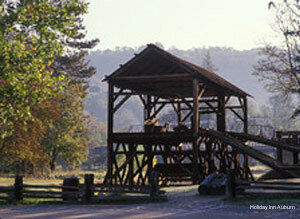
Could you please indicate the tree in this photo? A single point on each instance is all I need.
(207, 62)
(29, 44)
(43, 70)
(279, 66)
(66, 137)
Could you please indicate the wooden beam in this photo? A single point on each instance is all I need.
(195, 128)
(221, 119)
(159, 77)
(110, 117)
(245, 115)
(158, 110)
(238, 115)
(116, 95)
(121, 103)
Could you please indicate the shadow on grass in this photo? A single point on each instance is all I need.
(264, 199)
(112, 199)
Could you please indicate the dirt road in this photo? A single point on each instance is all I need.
(183, 203)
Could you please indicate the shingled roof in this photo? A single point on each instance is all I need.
(158, 71)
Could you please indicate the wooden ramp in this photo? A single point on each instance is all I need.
(270, 142)
(242, 148)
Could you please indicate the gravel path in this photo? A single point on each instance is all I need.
(183, 203)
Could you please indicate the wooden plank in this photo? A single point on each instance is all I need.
(4, 189)
(42, 196)
(40, 192)
(49, 186)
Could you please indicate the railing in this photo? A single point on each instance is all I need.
(236, 187)
(84, 192)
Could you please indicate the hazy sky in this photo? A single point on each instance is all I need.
(240, 24)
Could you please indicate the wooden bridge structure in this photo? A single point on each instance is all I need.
(160, 79)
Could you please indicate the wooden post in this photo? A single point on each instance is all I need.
(18, 188)
(148, 109)
(221, 117)
(221, 126)
(110, 129)
(88, 187)
(154, 188)
(179, 113)
(148, 148)
(279, 150)
(131, 164)
(195, 129)
(245, 115)
(246, 160)
(230, 185)
(295, 154)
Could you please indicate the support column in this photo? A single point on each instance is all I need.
(110, 123)
(221, 126)
(148, 148)
(195, 128)
(179, 113)
(246, 160)
(221, 117)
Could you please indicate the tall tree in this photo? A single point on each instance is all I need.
(38, 35)
(208, 63)
(279, 66)
(65, 138)
(30, 36)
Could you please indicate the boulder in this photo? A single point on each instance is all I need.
(213, 184)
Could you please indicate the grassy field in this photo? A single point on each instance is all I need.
(53, 178)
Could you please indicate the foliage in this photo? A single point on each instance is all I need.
(43, 72)
(279, 111)
(65, 136)
(279, 65)
(207, 62)
(29, 43)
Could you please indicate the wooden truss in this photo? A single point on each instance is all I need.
(190, 156)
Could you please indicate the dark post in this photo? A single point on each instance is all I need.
(18, 188)
(195, 127)
(230, 185)
(221, 121)
(295, 154)
(88, 187)
(246, 161)
(149, 146)
(279, 150)
(179, 113)
(154, 188)
(110, 123)
(131, 164)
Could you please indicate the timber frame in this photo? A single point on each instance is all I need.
(160, 79)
